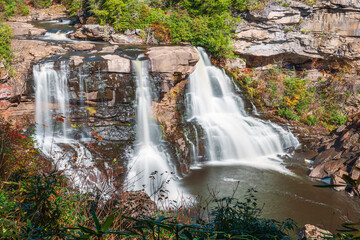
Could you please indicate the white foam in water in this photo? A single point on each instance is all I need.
(58, 36)
(59, 22)
(52, 99)
(233, 137)
(230, 179)
(149, 168)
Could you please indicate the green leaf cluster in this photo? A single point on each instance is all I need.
(206, 23)
(5, 48)
(9, 8)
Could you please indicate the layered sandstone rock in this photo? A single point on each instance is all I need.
(173, 64)
(96, 32)
(296, 32)
(25, 29)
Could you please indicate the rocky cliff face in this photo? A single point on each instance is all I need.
(297, 32)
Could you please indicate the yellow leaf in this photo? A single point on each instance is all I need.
(91, 110)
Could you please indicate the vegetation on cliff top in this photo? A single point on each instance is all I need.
(202, 23)
(5, 48)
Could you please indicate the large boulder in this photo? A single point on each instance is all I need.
(117, 64)
(312, 232)
(172, 63)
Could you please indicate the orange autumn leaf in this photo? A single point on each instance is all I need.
(60, 119)
(100, 138)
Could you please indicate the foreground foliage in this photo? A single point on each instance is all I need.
(37, 203)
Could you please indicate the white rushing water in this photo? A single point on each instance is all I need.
(57, 36)
(149, 168)
(233, 137)
(54, 132)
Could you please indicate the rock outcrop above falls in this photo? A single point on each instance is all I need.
(172, 64)
(96, 32)
(15, 88)
(296, 32)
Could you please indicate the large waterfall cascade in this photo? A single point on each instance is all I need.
(54, 131)
(233, 136)
(150, 168)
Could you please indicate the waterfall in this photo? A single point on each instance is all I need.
(54, 135)
(233, 137)
(149, 168)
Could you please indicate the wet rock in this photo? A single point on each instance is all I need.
(117, 64)
(354, 173)
(109, 49)
(327, 169)
(328, 154)
(336, 179)
(77, 60)
(82, 46)
(167, 115)
(312, 232)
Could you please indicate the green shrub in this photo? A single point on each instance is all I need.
(9, 8)
(75, 6)
(5, 48)
(337, 117)
(203, 23)
(288, 113)
(42, 3)
(312, 120)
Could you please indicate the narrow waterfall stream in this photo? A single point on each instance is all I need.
(233, 137)
(149, 168)
(54, 134)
